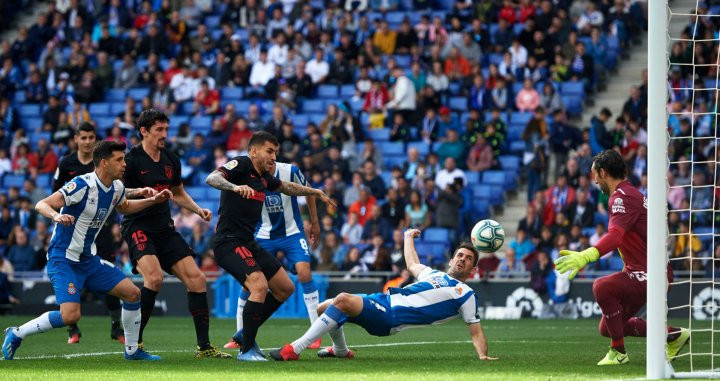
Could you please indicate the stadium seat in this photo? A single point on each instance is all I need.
(29, 110)
(201, 124)
(391, 161)
(515, 132)
(391, 148)
(394, 17)
(137, 93)
(115, 95)
(177, 120)
(242, 107)
(379, 135)
(423, 149)
(403, 61)
(574, 88)
(317, 118)
(517, 146)
(347, 91)
(509, 162)
(32, 124)
(44, 180)
(328, 92)
(19, 97)
(482, 209)
(117, 108)
(104, 122)
(197, 193)
(436, 235)
(12, 180)
(232, 93)
(357, 104)
(458, 104)
(313, 106)
(99, 109)
(37, 136)
(472, 177)
(600, 219)
(493, 178)
(520, 118)
(454, 88)
(186, 108)
(212, 22)
(573, 104)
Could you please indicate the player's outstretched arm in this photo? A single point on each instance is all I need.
(140, 192)
(314, 223)
(293, 189)
(574, 261)
(49, 207)
(134, 206)
(411, 257)
(183, 199)
(479, 341)
(218, 180)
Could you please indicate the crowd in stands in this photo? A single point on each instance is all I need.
(409, 113)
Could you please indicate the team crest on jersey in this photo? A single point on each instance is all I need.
(70, 186)
(438, 282)
(617, 206)
(168, 172)
(230, 164)
(71, 289)
(459, 290)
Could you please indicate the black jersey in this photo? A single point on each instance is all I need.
(238, 216)
(69, 167)
(142, 171)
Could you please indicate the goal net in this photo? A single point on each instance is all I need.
(693, 195)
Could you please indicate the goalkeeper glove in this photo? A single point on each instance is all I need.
(574, 261)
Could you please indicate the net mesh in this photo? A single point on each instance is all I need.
(693, 191)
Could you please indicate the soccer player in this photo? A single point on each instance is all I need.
(244, 181)
(154, 244)
(79, 163)
(280, 229)
(84, 204)
(623, 294)
(435, 298)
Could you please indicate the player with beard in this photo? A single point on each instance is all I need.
(155, 246)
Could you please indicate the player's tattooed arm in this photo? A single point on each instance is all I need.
(217, 180)
(293, 189)
(146, 192)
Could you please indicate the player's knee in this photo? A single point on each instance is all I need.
(283, 290)
(257, 284)
(71, 316)
(196, 282)
(132, 295)
(153, 280)
(341, 301)
(599, 288)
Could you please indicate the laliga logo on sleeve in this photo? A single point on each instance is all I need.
(231, 164)
(70, 186)
(617, 206)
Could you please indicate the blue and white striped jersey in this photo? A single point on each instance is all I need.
(281, 214)
(90, 202)
(435, 298)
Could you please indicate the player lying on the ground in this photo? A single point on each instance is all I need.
(85, 203)
(623, 294)
(435, 298)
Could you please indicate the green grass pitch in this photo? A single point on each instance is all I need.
(528, 349)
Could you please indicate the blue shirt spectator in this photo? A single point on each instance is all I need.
(21, 254)
(521, 245)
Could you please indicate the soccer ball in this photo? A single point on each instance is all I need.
(487, 236)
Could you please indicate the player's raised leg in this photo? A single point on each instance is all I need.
(131, 317)
(339, 347)
(343, 306)
(187, 271)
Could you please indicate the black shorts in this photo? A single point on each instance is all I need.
(167, 245)
(104, 244)
(241, 258)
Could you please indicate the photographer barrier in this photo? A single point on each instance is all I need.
(498, 299)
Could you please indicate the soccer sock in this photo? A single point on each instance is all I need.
(242, 299)
(338, 338)
(113, 306)
(332, 318)
(635, 327)
(147, 303)
(269, 307)
(42, 323)
(197, 303)
(614, 323)
(132, 324)
(310, 294)
(252, 318)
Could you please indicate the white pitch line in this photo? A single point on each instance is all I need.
(376, 345)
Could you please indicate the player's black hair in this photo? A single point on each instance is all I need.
(471, 247)
(149, 117)
(259, 138)
(612, 163)
(105, 149)
(87, 127)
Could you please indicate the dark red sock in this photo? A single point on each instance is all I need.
(673, 333)
(605, 291)
(636, 327)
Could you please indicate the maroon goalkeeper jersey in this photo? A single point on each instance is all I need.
(628, 213)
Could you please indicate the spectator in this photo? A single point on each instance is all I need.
(500, 95)
(448, 174)
(351, 231)
(24, 160)
(6, 295)
(34, 193)
(352, 263)
(239, 137)
(417, 213)
(161, 96)
(560, 195)
(481, 155)
(539, 272)
(363, 205)
(183, 85)
(376, 224)
(403, 95)
(688, 247)
(5, 163)
(35, 90)
(207, 101)
(447, 212)
(326, 253)
(438, 80)
(563, 139)
(457, 67)
(385, 39)
(522, 245)
(599, 138)
(510, 267)
(317, 68)
(452, 148)
(21, 254)
(47, 160)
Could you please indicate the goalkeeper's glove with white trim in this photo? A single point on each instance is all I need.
(574, 261)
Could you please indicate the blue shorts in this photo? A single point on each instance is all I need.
(295, 247)
(69, 278)
(376, 315)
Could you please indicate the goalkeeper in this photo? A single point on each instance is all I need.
(623, 294)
